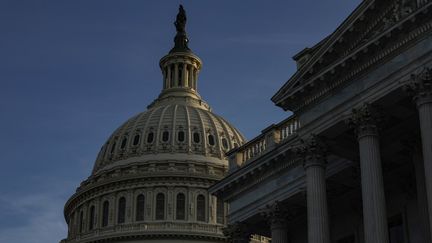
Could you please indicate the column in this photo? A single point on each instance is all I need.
(176, 81)
(365, 122)
(238, 232)
(190, 80)
(314, 156)
(185, 75)
(421, 193)
(168, 79)
(277, 218)
(420, 87)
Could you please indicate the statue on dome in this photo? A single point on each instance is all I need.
(180, 22)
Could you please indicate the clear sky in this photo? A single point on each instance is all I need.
(73, 71)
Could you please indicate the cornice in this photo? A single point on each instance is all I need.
(165, 230)
(381, 47)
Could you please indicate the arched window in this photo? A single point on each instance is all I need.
(165, 136)
(123, 144)
(196, 137)
(91, 217)
(181, 207)
(105, 213)
(150, 137)
(181, 136)
(140, 205)
(121, 213)
(211, 140)
(136, 139)
(160, 206)
(81, 222)
(200, 207)
(220, 211)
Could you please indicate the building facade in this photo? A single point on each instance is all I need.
(150, 180)
(353, 163)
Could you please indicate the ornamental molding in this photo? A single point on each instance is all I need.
(376, 49)
(155, 230)
(419, 86)
(313, 151)
(366, 120)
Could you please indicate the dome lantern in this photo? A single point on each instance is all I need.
(181, 66)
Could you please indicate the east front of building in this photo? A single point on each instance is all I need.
(353, 163)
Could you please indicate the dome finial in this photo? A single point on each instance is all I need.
(180, 40)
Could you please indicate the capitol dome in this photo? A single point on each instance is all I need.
(180, 128)
(150, 180)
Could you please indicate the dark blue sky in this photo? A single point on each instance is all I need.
(73, 71)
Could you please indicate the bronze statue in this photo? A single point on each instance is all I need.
(180, 22)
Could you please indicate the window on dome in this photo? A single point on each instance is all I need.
(181, 207)
(181, 136)
(140, 205)
(136, 139)
(211, 140)
(113, 147)
(196, 137)
(92, 217)
(123, 144)
(200, 207)
(220, 211)
(81, 222)
(121, 213)
(225, 143)
(105, 213)
(150, 137)
(165, 136)
(160, 206)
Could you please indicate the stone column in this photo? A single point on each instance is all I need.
(168, 79)
(185, 75)
(365, 122)
(190, 77)
(421, 193)
(420, 86)
(176, 75)
(314, 157)
(238, 232)
(277, 218)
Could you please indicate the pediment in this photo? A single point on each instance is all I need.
(364, 25)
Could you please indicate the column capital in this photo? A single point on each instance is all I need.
(275, 214)
(419, 86)
(365, 120)
(313, 151)
(238, 232)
